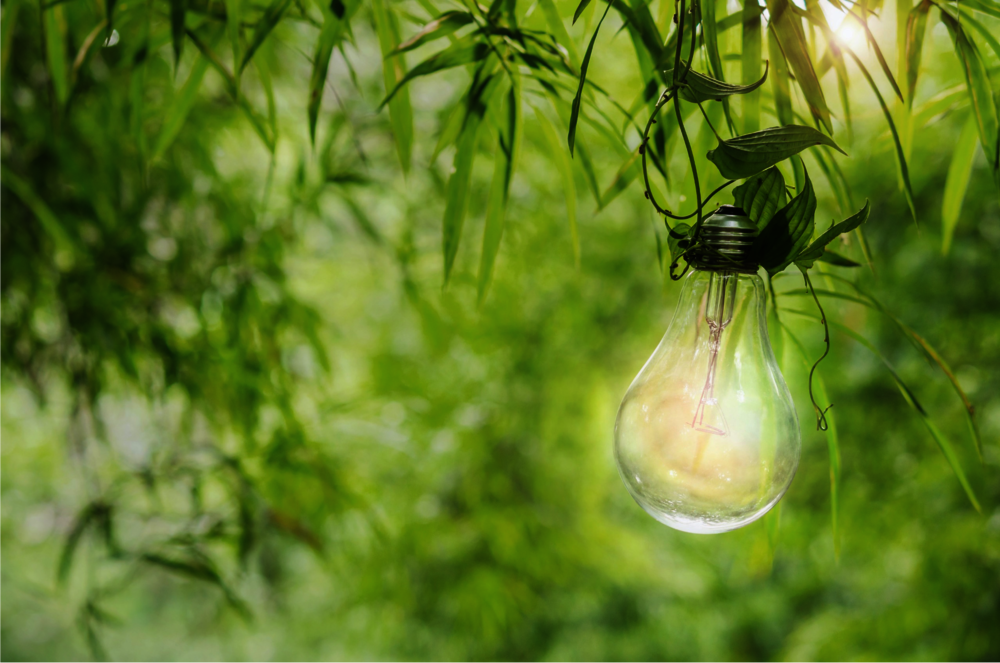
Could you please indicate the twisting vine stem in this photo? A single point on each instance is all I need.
(821, 422)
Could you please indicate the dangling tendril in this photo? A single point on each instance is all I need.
(821, 422)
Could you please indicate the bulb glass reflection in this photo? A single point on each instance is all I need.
(707, 438)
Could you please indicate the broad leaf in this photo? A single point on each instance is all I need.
(780, 242)
(698, 87)
(443, 25)
(747, 155)
(761, 196)
(816, 249)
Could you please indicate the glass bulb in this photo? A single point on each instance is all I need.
(707, 438)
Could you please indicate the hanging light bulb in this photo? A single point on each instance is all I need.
(707, 438)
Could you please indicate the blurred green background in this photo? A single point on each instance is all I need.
(241, 419)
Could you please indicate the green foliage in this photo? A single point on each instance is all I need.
(242, 419)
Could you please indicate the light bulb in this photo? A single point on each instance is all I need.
(707, 438)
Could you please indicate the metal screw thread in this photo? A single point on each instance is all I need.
(727, 239)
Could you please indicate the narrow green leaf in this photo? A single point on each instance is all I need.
(900, 155)
(55, 51)
(986, 6)
(575, 112)
(7, 31)
(761, 196)
(699, 88)
(443, 25)
(943, 443)
(65, 248)
(565, 168)
(788, 231)
(980, 91)
(957, 183)
(749, 154)
(834, 258)
(916, 28)
(393, 68)
(180, 106)
(832, 444)
(579, 10)
(781, 86)
(815, 250)
(464, 51)
(328, 36)
(178, 11)
(504, 163)
(873, 43)
(751, 58)
(83, 520)
(272, 15)
(234, 18)
(787, 29)
(558, 30)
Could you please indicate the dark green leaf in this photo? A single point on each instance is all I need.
(787, 29)
(55, 51)
(980, 91)
(781, 86)
(761, 196)
(180, 107)
(328, 36)
(834, 258)
(816, 249)
(579, 10)
(272, 15)
(749, 154)
(443, 25)
(900, 155)
(677, 240)
(178, 9)
(751, 58)
(780, 242)
(462, 52)
(575, 112)
(700, 88)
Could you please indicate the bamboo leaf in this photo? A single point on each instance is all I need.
(272, 15)
(443, 25)
(832, 443)
(234, 17)
(781, 86)
(916, 28)
(900, 155)
(873, 43)
(558, 30)
(833, 258)
(55, 51)
(980, 92)
(787, 29)
(751, 58)
(180, 107)
(943, 443)
(178, 11)
(579, 10)
(393, 68)
(505, 161)
(749, 154)
(465, 51)
(7, 30)
(957, 183)
(575, 112)
(565, 168)
(328, 36)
